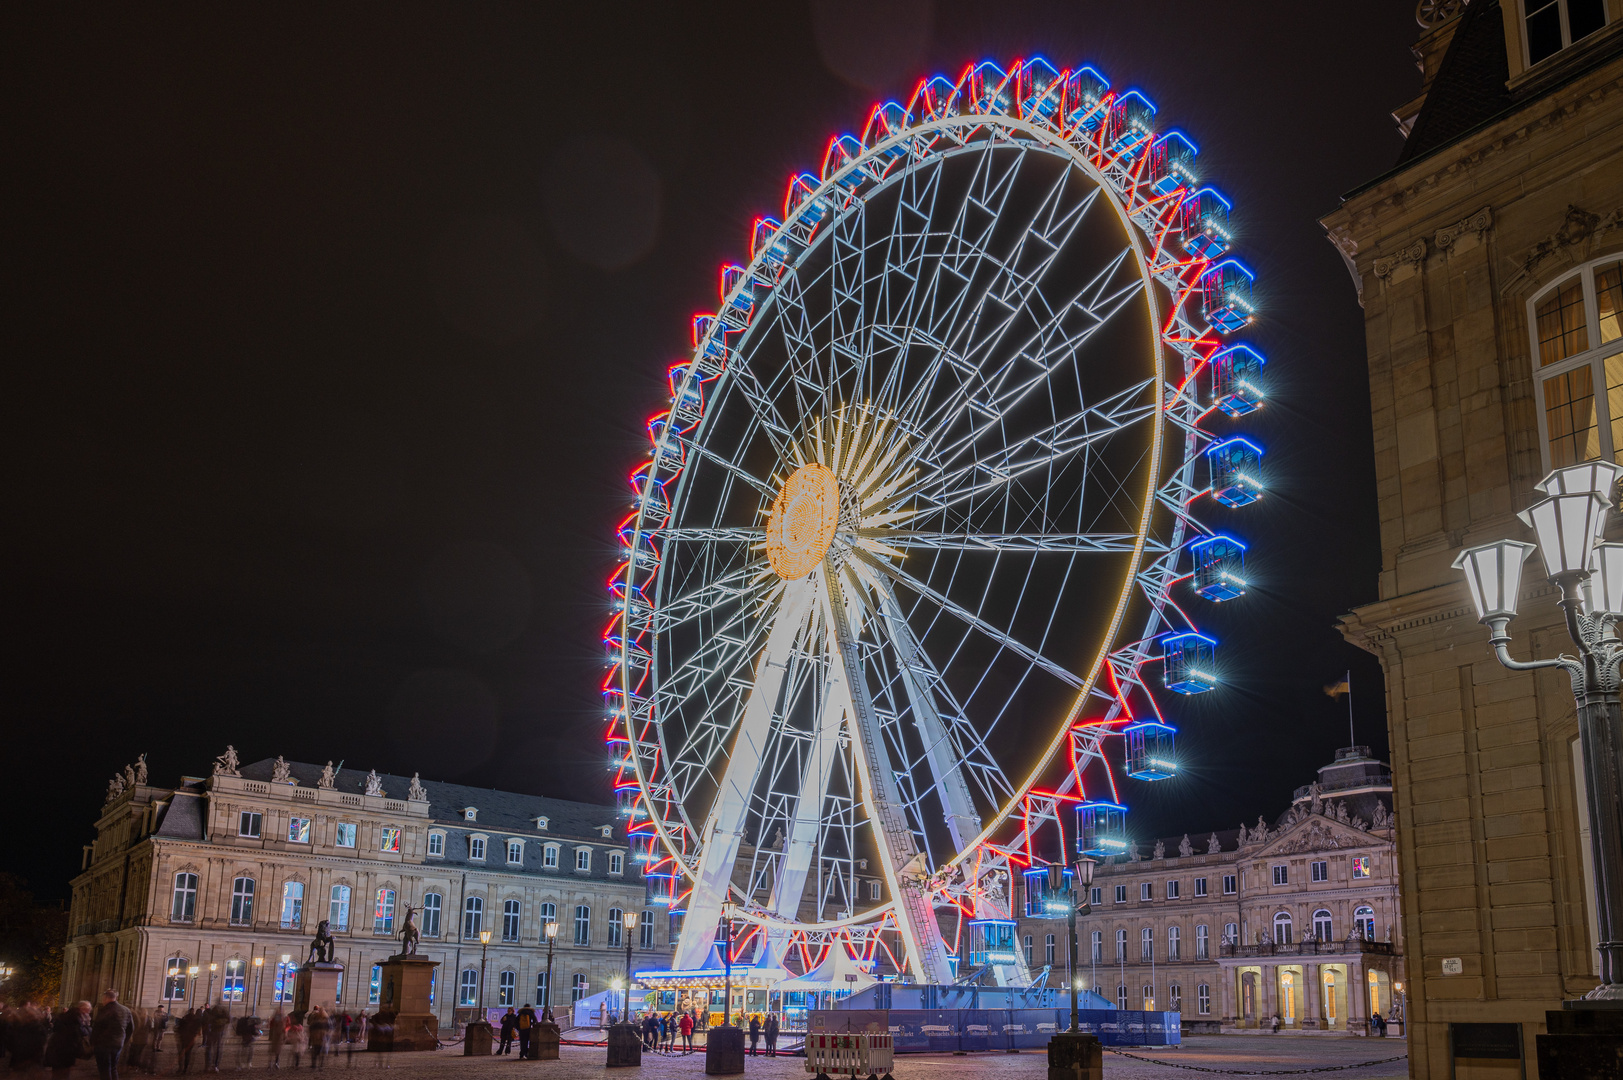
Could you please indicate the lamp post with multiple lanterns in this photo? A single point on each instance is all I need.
(1568, 524)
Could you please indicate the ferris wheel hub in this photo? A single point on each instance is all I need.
(804, 517)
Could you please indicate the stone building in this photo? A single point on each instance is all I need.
(1488, 262)
(1298, 919)
(231, 873)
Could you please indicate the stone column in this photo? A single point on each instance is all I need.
(1357, 997)
(1225, 996)
(1267, 995)
(1312, 994)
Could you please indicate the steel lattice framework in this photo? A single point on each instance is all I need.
(914, 524)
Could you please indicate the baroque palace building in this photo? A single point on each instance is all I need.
(232, 873)
(1297, 920)
(1489, 263)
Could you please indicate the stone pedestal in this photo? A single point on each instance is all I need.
(405, 1020)
(625, 1046)
(478, 1038)
(1073, 1055)
(544, 1041)
(1585, 1042)
(316, 984)
(724, 1050)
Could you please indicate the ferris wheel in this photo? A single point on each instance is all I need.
(917, 534)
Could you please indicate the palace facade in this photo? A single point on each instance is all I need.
(231, 874)
(1489, 263)
(1297, 920)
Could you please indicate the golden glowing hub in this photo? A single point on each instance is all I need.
(804, 517)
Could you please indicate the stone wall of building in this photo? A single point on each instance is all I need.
(1450, 252)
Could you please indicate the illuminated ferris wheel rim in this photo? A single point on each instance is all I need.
(841, 194)
(1050, 141)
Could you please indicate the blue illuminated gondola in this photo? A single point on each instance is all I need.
(1236, 470)
(1205, 225)
(1186, 663)
(1226, 289)
(1132, 120)
(1219, 568)
(1085, 92)
(1101, 829)
(1171, 164)
(1043, 901)
(1151, 750)
(991, 941)
(1237, 386)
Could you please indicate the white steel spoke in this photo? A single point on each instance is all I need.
(1070, 543)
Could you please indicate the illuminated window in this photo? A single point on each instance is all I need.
(374, 986)
(242, 902)
(1364, 919)
(174, 978)
(236, 972)
(1577, 338)
(1553, 25)
(298, 830)
(346, 834)
(390, 840)
(338, 907)
(292, 904)
(383, 913)
(1361, 866)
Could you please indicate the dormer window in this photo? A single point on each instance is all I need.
(470, 813)
(541, 824)
(1552, 25)
(607, 831)
(476, 848)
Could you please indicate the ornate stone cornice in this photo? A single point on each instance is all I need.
(1478, 223)
(1578, 227)
(1412, 256)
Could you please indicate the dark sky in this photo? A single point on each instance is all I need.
(330, 332)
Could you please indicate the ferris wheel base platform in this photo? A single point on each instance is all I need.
(988, 1030)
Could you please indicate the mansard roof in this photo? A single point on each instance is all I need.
(498, 811)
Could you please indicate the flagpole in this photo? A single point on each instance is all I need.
(1352, 740)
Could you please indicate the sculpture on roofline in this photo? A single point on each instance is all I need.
(329, 776)
(1244, 839)
(1160, 849)
(1213, 845)
(1185, 848)
(115, 787)
(374, 783)
(1318, 799)
(227, 764)
(281, 771)
(417, 793)
(141, 769)
(1380, 815)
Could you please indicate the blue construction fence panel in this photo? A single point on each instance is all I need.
(921, 1031)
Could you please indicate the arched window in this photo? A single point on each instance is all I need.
(184, 906)
(383, 913)
(338, 907)
(549, 913)
(1149, 998)
(1323, 929)
(1027, 946)
(432, 906)
(616, 924)
(1203, 947)
(1121, 997)
(507, 989)
(645, 930)
(1282, 928)
(510, 917)
(1364, 920)
(174, 978)
(1121, 948)
(292, 903)
(235, 975)
(583, 925)
(468, 989)
(1231, 933)
(242, 902)
(1203, 998)
(578, 989)
(541, 997)
(1175, 997)
(1098, 944)
(1174, 945)
(1048, 950)
(1577, 341)
(1146, 943)
(473, 917)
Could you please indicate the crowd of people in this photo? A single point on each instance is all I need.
(34, 1037)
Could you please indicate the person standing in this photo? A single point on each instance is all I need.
(771, 1032)
(509, 1027)
(112, 1028)
(687, 1032)
(160, 1024)
(276, 1032)
(318, 1026)
(525, 1025)
(755, 1034)
(295, 1038)
(70, 1039)
(187, 1029)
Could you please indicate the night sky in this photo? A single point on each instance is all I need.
(330, 333)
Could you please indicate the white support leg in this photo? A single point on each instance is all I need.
(724, 829)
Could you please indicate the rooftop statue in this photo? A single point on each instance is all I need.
(227, 764)
(329, 776)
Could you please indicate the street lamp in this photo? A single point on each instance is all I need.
(191, 989)
(259, 982)
(207, 997)
(552, 938)
(1084, 906)
(484, 951)
(631, 925)
(281, 977)
(1567, 524)
(724, 938)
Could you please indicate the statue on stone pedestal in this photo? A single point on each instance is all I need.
(1318, 801)
(1380, 815)
(1243, 837)
(226, 764)
(1341, 811)
(417, 793)
(281, 771)
(374, 783)
(1160, 849)
(1213, 845)
(409, 934)
(141, 769)
(329, 776)
(115, 787)
(1185, 848)
(321, 948)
